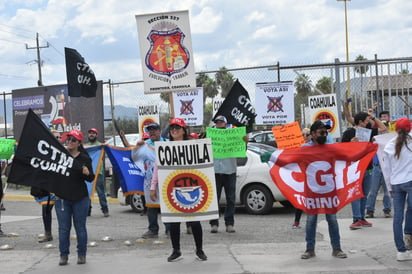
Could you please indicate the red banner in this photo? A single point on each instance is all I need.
(322, 178)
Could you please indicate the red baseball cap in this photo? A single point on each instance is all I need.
(93, 130)
(403, 123)
(194, 135)
(76, 134)
(178, 121)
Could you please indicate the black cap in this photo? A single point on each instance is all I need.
(318, 124)
(153, 126)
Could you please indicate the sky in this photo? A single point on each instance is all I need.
(226, 33)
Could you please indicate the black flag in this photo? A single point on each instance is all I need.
(41, 161)
(237, 108)
(80, 77)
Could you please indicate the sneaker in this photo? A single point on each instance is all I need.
(46, 238)
(408, 241)
(214, 229)
(189, 230)
(150, 235)
(369, 214)
(106, 214)
(309, 253)
(338, 253)
(2, 208)
(230, 229)
(355, 225)
(201, 256)
(81, 260)
(365, 223)
(295, 225)
(403, 256)
(176, 255)
(387, 214)
(63, 260)
(2, 233)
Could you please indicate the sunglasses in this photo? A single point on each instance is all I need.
(71, 139)
(172, 127)
(306, 134)
(58, 137)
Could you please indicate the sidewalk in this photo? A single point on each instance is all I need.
(370, 250)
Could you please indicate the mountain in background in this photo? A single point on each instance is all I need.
(119, 111)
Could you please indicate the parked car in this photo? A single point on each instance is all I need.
(263, 137)
(255, 189)
(136, 201)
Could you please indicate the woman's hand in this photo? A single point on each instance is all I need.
(86, 171)
(153, 195)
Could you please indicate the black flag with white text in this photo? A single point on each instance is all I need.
(81, 81)
(41, 161)
(237, 107)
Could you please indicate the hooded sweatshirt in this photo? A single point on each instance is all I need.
(397, 170)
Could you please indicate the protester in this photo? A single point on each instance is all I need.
(362, 120)
(398, 177)
(225, 175)
(66, 210)
(319, 137)
(100, 183)
(178, 132)
(146, 154)
(378, 181)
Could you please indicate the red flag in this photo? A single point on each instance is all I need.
(322, 178)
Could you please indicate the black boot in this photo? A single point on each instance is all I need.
(47, 237)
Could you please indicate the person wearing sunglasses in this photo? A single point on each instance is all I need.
(66, 210)
(178, 132)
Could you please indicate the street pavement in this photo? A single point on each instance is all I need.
(370, 250)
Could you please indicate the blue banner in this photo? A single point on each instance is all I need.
(131, 177)
(96, 153)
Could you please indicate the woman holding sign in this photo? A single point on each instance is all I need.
(178, 132)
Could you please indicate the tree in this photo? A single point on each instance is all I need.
(224, 80)
(404, 71)
(361, 69)
(324, 85)
(125, 124)
(303, 84)
(210, 88)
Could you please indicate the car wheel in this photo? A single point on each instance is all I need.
(137, 203)
(257, 199)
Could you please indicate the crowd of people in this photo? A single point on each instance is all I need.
(396, 185)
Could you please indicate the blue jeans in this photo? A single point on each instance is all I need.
(228, 182)
(65, 211)
(376, 183)
(311, 223)
(402, 194)
(101, 192)
(359, 206)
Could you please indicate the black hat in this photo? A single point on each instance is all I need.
(153, 126)
(318, 124)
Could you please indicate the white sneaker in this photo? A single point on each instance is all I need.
(403, 256)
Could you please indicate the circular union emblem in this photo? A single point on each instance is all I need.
(187, 191)
(328, 118)
(147, 121)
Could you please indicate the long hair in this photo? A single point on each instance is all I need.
(403, 139)
(185, 135)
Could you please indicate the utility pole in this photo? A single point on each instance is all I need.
(37, 47)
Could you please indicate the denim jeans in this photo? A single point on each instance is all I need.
(376, 182)
(65, 211)
(402, 194)
(101, 192)
(311, 223)
(228, 182)
(359, 206)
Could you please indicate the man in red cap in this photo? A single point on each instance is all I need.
(100, 184)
